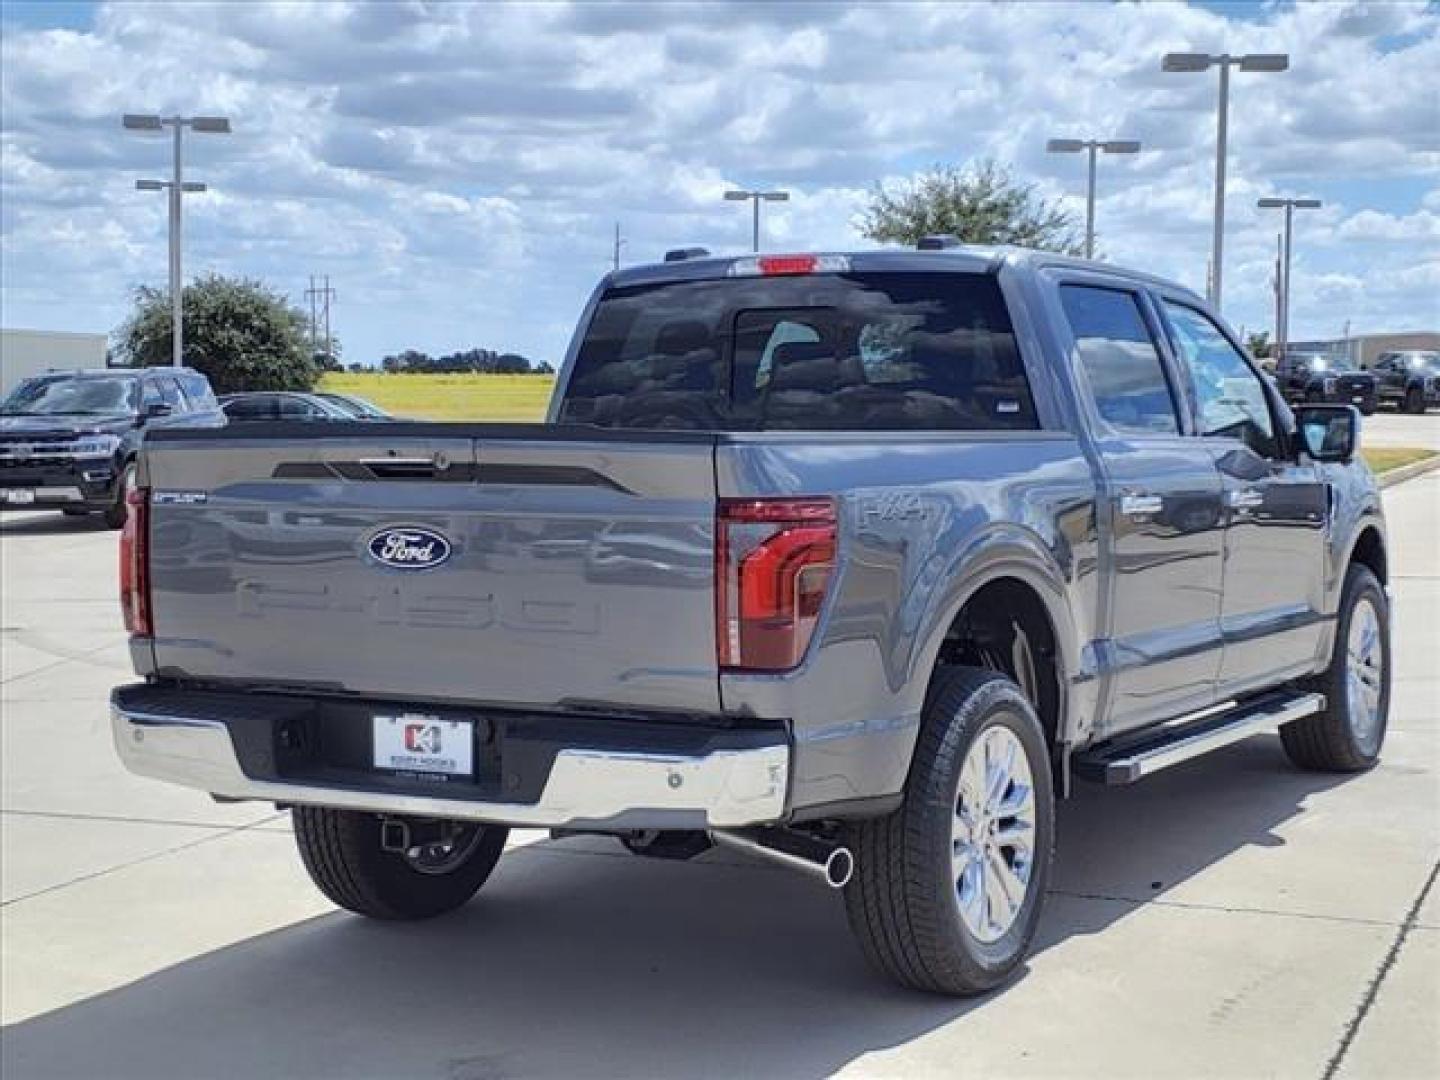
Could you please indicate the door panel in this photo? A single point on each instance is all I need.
(1166, 591)
(1275, 510)
(1275, 543)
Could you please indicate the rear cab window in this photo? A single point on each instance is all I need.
(889, 351)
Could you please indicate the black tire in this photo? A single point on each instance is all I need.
(115, 513)
(342, 852)
(1415, 400)
(1368, 410)
(673, 844)
(1329, 741)
(903, 902)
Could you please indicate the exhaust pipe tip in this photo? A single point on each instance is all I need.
(839, 868)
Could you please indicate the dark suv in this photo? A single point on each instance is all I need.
(1409, 378)
(68, 438)
(1318, 378)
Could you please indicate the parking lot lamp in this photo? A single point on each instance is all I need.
(1282, 322)
(177, 188)
(756, 198)
(1093, 146)
(1189, 62)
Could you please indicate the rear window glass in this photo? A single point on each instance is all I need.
(809, 352)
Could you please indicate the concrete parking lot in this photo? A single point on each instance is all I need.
(1231, 917)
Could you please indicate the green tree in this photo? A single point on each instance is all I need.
(980, 204)
(240, 333)
(1259, 344)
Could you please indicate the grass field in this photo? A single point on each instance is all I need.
(524, 397)
(1384, 458)
(450, 397)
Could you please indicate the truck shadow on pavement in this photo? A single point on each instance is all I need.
(581, 960)
(27, 523)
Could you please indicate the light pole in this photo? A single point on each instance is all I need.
(756, 198)
(1282, 322)
(177, 188)
(1224, 61)
(1093, 146)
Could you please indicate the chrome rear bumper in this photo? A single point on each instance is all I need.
(586, 787)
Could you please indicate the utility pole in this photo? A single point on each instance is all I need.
(619, 243)
(177, 187)
(1282, 326)
(319, 297)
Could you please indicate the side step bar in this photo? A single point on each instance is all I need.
(1134, 757)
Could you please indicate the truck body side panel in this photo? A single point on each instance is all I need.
(925, 521)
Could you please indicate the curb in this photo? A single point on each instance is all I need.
(1408, 472)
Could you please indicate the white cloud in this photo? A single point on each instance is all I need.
(457, 169)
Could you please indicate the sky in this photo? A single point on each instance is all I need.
(458, 170)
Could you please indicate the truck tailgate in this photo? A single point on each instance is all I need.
(515, 565)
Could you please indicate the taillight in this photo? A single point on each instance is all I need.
(135, 563)
(773, 560)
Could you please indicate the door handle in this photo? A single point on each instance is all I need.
(1139, 505)
(1246, 499)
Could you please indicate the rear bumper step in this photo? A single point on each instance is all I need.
(1126, 760)
(194, 743)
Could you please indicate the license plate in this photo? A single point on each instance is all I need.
(20, 496)
(421, 743)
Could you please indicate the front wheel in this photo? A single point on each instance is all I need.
(1347, 735)
(948, 889)
(398, 869)
(1415, 400)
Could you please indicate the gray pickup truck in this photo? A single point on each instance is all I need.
(856, 562)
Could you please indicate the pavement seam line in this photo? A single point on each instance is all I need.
(77, 658)
(1332, 1067)
(1223, 909)
(218, 835)
(70, 815)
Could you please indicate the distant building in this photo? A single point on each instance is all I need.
(29, 352)
(1361, 350)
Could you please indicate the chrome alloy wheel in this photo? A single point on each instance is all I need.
(1364, 673)
(992, 837)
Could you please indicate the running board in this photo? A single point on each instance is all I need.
(1131, 758)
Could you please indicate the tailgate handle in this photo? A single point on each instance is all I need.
(405, 468)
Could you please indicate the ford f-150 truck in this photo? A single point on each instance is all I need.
(856, 562)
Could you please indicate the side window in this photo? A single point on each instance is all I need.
(150, 395)
(170, 394)
(1122, 365)
(198, 391)
(1231, 396)
(255, 407)
(292, 408)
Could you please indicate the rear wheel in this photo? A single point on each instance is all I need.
(948, 889)
(1347, 735)
(395, 868)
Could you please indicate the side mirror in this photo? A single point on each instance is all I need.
(1328, 432)
(158, 408)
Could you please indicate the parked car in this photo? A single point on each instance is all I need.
(1321, 377)
(1408, 378)
(68, 438)
(281, 405)
(358, 407)
(820, 557)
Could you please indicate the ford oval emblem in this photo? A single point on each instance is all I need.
(408, 547)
